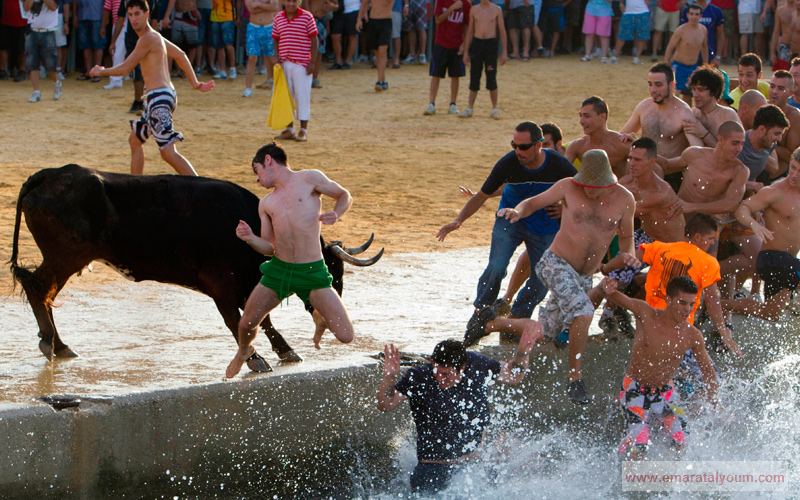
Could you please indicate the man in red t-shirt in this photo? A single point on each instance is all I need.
(448, 48)
(12, 40)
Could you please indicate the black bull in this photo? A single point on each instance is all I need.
(165, 228)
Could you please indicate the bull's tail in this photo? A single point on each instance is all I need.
(19, 273)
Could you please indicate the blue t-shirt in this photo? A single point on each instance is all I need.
(90, 10)
(792, 102)
(397, 6)
(449, 422)
(522, 183)
(712, 17)
(599, 8)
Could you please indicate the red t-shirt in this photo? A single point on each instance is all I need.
(294, 36)
(724, 4)
(12, 15)
(669, 5)
(450, 33)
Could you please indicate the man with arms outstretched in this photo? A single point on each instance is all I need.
(290, 226)
(153, 52)
(596, 207)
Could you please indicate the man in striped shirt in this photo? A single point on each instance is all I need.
(295, 35)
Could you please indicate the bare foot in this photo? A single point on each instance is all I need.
(240, 359)
(321, 325)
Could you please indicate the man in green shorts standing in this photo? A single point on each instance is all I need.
(290, 226)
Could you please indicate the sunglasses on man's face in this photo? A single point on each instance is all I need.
(523, 147)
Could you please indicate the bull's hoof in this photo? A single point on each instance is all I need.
(258, 364)
(290, 356)
(47, 350)
(66, 352)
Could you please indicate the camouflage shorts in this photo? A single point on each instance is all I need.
(568, 298)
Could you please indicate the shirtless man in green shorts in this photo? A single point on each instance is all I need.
(290, 227)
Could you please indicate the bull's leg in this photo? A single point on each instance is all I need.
(279, 344)
(41, 287)
(230, 314)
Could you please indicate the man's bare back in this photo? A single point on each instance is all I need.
(486, 19)
(654, 198)
(262, 12)
(185, 6)
(688, 43)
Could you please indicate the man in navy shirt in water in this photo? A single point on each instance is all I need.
(526, 171)
(449, 402)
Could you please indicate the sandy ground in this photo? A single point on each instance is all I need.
(402, 168)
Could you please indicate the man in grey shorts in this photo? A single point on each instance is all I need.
(520, 16)
(596, 207)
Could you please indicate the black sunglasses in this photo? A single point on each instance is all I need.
(523, 147)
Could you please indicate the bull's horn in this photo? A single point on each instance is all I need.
(362, 248)
(339, 252)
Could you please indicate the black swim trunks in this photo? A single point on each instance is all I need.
(483, 53)
(380, 32)
(779, 270)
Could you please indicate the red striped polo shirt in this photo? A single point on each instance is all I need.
(295, 36)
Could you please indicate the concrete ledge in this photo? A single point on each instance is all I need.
(294, 435)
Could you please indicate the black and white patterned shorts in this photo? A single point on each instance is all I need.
(157, 118)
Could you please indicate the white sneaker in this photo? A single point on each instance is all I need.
(597, 52)
(453, 109)
(247, 93)
(111, 86)
(586, 58)
(35, 97)
(408, 60)
(61, 75)
(467, 113)
(232, 74)
(636, 60)
(422, 59)
(495, 115)
(604, 60)
(654, 57)
(613, 60)
(262, 70)
(57, 92)
(221, 75)
(430, 110)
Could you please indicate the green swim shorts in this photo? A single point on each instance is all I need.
(285, 278)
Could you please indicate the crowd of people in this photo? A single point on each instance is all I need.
(37, 35)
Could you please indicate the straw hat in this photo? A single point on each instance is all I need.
(595, 170)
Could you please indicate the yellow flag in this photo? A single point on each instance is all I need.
(281, 108)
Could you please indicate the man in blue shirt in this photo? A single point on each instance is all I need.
(526, 171)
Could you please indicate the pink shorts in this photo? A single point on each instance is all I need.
(594, 25)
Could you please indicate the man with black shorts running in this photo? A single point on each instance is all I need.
(448, 48)
(379, 34)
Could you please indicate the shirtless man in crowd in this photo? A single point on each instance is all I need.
(714, 178)
(290, 225)
(153, 52)
(259, 40)
(777, 263)
(593, 117)
(688, 44)
(596, 207)
(661, 117)
(782, 36)
(380, 34)
(707, 85)
(780, 89)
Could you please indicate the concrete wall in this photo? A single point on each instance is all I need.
(296, 436)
